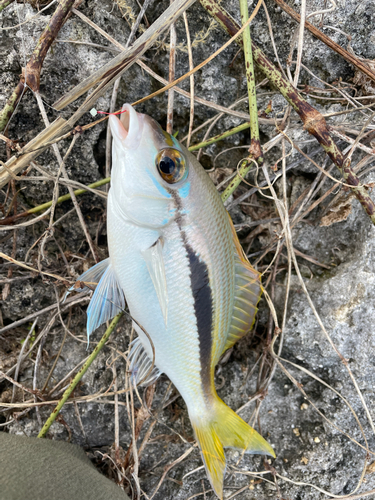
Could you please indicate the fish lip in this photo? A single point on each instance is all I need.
(128, 130)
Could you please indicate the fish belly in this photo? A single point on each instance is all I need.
(176, 342)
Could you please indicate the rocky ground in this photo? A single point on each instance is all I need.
(317, 424)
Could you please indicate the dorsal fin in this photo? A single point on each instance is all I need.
(247, 292)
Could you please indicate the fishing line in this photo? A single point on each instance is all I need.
(94, 112)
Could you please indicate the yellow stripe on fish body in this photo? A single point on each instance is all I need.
(175, 256)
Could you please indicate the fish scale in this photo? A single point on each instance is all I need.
(175, 257)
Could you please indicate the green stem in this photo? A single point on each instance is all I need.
(5, 3)
(66, 197)
(13, 218)
(219, 137)
(255, 151)
(250, 77)
(79, 375)
(11, 105)
(242, 171)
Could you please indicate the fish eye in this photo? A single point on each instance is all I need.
(171, 165)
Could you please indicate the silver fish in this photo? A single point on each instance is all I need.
(175, 258)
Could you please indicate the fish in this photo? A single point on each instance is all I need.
(176, 261)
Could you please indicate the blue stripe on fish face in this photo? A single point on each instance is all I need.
(184, 190)
(159, 187)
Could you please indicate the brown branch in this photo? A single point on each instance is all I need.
(313, 121)
(31, 74)
(352, 59)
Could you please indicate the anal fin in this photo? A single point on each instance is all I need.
(248, 290)
(141, 364)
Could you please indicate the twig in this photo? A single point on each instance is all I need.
(206, 61)
(191, 66)
(79, 375)
(20, 356)
(31, 74)
(172, 66)
(162, 80)
(300, 43)
(15, 383)
(116, 86)
(117, 424)
(61, 162)
(33, 149)
(15, 26)
(169, 467)
(313, 121)
(6, 289)
(21, 264)
(36, 375)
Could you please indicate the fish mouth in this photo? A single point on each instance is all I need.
(128, 130)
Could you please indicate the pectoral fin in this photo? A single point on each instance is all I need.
(107, 300)
(89, 279)
(153, 257)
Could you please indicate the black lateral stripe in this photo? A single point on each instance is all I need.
(201, 289)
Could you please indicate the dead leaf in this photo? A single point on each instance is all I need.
(338, 212)
(220, 174)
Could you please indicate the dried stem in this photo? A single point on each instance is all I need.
(31, 74)
(112, 70)
(116, 86)
(191, 66)
(61, 162)
(172, 66)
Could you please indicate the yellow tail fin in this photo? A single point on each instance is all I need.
(224, 428)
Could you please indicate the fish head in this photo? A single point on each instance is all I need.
(148, 167)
